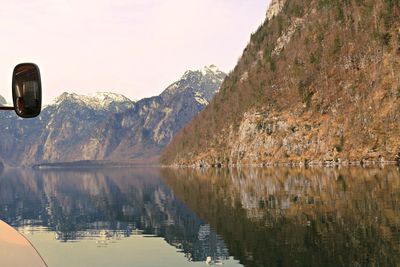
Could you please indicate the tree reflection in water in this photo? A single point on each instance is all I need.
(262, 217)
(298, 217)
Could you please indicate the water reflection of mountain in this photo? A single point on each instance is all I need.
(105, 205)
(298, 217)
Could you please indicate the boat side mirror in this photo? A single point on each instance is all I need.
(27, 90)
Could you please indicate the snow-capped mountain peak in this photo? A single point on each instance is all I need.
(99, 100)
(211, 69)
(196, 79)
(205, 71)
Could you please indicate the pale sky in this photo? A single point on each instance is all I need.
(132, 47)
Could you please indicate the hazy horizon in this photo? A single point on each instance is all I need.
(135, 48)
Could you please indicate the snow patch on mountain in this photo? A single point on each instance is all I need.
(200, 99)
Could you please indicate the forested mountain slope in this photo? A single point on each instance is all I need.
(318, 82)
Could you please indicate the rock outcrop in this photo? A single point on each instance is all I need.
(274, 8)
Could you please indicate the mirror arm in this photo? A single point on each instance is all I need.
(7, 108)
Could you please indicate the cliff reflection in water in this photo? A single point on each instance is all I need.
(298, 217)
(105, 205)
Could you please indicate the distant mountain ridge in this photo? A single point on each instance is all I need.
(2, 101)
(107, 126)
(155, 120)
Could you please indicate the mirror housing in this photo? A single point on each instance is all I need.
(27, 90)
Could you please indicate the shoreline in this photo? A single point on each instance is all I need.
(328, 164)
(87, 165)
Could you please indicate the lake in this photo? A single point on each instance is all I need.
(348, 216)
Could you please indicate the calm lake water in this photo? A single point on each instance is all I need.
(238, 217)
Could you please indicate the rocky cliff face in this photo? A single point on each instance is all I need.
(107, 126)
(318, 83)
(69, 124)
